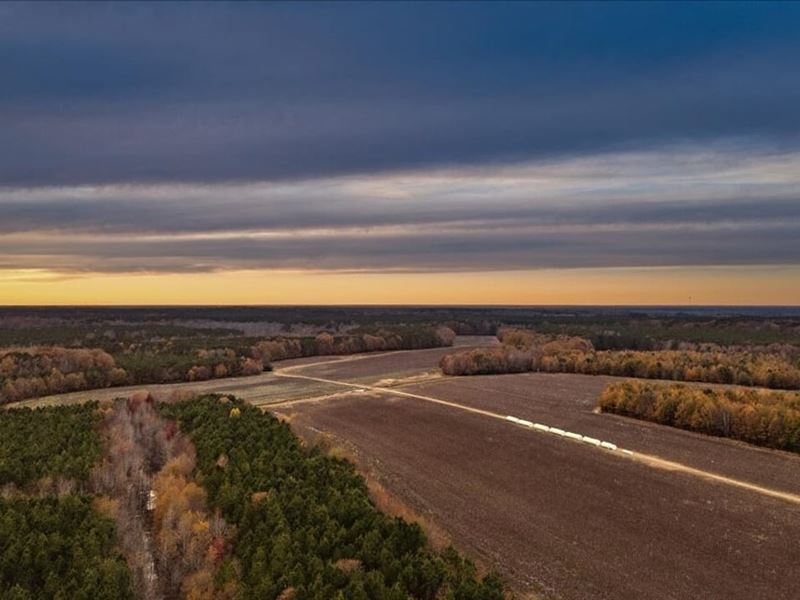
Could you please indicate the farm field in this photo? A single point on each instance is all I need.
(557, 518)
(379, 368)
(568, 401)
(259, 389)
(563, 519)
(566, 518)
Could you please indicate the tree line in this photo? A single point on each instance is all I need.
(526, 351)
(41, 371)
(306, 526)
(761, 417)
(372, 339)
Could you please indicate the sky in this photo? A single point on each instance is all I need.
(400, 153)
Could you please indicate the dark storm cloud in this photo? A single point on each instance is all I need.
(205, 92)
(413, 137)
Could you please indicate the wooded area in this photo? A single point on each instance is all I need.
(524, 350)
(173, 544)
(60, 549)
(52, 543)
(307, 528)
(761, 417)
(44, 445)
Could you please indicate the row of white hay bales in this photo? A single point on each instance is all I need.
(567, 434)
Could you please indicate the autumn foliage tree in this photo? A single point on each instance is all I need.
(191, 542)
(523, 350)
(147, 468)
(41, 371)
(762, 417)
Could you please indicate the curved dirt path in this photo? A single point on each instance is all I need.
(231, 385)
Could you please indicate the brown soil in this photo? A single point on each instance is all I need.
(568, 402)
(568, 519)
(371, 369)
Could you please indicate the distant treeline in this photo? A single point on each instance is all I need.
(306, 526)
(765, 418)
(673, 332)
(524, 350)
(363, 340)
(111, 337)
(608, 328)
(741, 368)
(40, 371)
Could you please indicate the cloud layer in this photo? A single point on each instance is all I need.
(389, 137)
(682, 207)
(110, 93)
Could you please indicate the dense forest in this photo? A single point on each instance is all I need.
(306, 526)
(52, 543)
(48, 445)
(206, 499)
(759, 417)
(59, 549)
(524, 350)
